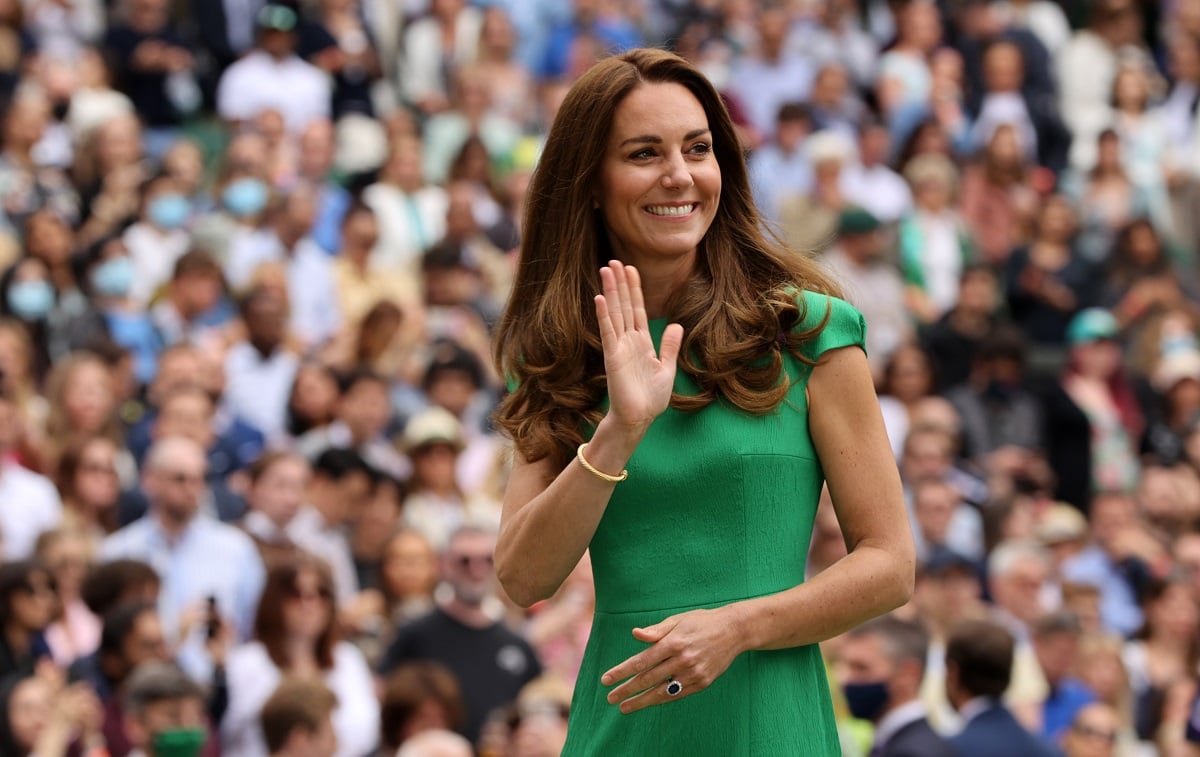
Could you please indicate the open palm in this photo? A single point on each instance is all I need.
(639, 380)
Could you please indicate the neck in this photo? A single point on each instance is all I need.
(301, 654)
(660, 280)
(173, 525)
(467, 614)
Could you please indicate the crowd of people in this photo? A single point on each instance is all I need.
(253, 252)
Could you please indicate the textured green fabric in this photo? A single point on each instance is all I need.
(718, 507)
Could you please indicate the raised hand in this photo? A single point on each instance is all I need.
(639, 380)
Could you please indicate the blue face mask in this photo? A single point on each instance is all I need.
(113, 278)
(169, 211)
(31, 300)
(866, 700)
(245, 197)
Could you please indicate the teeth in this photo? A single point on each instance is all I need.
(671, 210)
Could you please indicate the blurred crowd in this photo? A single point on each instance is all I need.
(252, 252)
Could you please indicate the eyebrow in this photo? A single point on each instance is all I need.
(657, 140)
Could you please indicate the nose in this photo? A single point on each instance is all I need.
(676, 174)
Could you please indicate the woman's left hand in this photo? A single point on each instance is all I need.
(693, 648)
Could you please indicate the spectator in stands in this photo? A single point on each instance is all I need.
(419, 696)
(164, 711)
(273, 77)
(490, 661)
(89, 484)
(296, 721)
(196, 556)
(27, 605)
(1056, 639)
(361, 423)
(979, 659)
(780, 166)
(295, 634)
(1164, 652)
(260, 370)
(1095, 732)
(882, 663)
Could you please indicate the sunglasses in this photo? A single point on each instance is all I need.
(180, 478)
(323, 595)
(465, 561)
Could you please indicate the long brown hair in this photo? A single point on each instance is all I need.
(739, 310)
(269, 626)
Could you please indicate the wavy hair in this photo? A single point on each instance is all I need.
(739, 310)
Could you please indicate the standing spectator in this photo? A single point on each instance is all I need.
(490, 661)
(295, 634)
(196, 556)
(979, 658)
(882, 663)
(273, 77)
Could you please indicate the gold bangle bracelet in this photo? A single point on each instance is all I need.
(599, 473)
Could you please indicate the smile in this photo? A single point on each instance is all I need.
(671, 210)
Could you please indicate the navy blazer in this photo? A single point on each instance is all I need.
(917, 739)
(996, 733)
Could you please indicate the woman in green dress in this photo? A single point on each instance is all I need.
(682, 385)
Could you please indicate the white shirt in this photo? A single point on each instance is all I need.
(29, 506)
(300, 91)
(328, 546)
(877, 188)
(312, 297)
(252, 677)
(153, 253)
(257, 388)
(409, 224)
(763, 86)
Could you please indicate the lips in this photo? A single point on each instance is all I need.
(669, 211)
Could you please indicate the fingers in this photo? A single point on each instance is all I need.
(612, 297)
(639, 663)
(640, 684)
(639, 304)
(656, 694)
(623, 293)
(626, 295)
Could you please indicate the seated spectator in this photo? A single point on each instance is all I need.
(83, 403)
(193, 308)
(1056, 639)
(871, 183)
(341, 485)
(979, 659)
(780, 167)
(361, 423)
(295, 633)
(27, 605)
(1163, 654)
(1001, 420)
(934, 244)
(1049, 281)
(296, 721)
(272, 77)
(872, 284)
(411, 211)
(907, 379)
(1140, 280)
(109, 275)
(361, 283)
(260, 370)
(75, 631)
(419, 696)
(158, 238)
(89, 485)
(997, 200)
(164, 711)
(40, 716)
(1095, 732)
(440, 743)
(313, 401)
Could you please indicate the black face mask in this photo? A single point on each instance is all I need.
(59, 110)
(866, 700)
(1002, 391)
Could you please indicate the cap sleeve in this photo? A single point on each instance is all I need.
(845, 327)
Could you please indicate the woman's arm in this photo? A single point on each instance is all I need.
(876, 576)
(549, 517)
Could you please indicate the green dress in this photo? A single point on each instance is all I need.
(718, 507)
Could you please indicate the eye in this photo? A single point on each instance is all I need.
(701, 148)
(644, 154)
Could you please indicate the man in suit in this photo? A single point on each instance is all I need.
(979, 658)
(881, 665)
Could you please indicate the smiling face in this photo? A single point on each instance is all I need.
(659, 180)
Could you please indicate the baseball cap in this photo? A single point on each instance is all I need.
(277, 17)
(1092, 325)
(855, 220)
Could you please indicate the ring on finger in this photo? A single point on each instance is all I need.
(674, 688)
